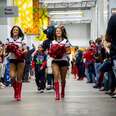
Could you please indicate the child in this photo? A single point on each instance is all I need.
(39, 61)
(74, 69)
(49, 74)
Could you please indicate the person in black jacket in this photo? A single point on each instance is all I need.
(80, 65)
(111, 37)
(50, 36)
(28, 60)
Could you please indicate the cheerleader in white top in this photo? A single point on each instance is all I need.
(59, 50)
(16, 47)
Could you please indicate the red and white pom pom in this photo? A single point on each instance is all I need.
(57, 51)
(15, 49)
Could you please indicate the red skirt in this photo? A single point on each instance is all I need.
(74, 69)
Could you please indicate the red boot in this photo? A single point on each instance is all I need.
(19, 89)
(56, 86)
(14, 85)
(63, 89)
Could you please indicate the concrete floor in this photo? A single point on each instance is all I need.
(81, 100)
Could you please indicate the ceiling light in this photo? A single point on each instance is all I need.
(66, 19)
(66, 13)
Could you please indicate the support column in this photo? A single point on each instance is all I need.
(101, 22)
(10, 20)
(3, 23)
(99, 19)
(94, 23)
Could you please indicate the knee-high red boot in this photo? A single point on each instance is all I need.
(56, 86)
(14, 85)
(19, 89)
(63, 89)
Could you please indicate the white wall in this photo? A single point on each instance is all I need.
(78, 33)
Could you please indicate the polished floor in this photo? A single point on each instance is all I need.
(81, 100)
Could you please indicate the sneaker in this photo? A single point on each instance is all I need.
(2, 85)
(49, 87)
(97, 86)
(41, 91)
(109, 92)
(38, 88)
(114, 96)
(102, 89)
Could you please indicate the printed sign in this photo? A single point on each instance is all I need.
(9, 11)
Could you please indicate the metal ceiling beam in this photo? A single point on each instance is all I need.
(67, 9)
(82, 5)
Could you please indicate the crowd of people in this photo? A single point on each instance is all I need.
(50, 62)
(98, 62)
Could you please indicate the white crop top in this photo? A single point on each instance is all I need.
(18, 42)
(62, 42)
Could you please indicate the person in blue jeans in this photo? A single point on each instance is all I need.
(50, 77)
(99, 57)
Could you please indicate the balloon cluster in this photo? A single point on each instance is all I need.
(13, 48)
(57, 51)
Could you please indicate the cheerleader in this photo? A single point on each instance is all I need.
(16, 47)
(60, 48)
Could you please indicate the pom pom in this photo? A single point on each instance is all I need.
(15, 49)
(11, 47)
(57, 51)
(20, 54)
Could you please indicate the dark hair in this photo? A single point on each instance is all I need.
(111, 29)
(20, 32)
(98, 40)
(63, 34)
(28, 48)
(49, 32)
(77, 47)
(91, 41)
